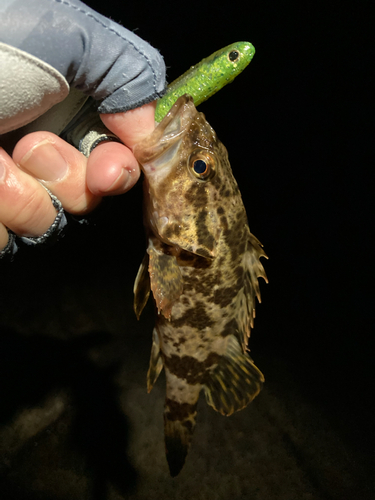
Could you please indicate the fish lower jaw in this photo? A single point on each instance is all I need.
(158, 168)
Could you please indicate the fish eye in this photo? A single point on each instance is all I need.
(201, 165)
(233, 55)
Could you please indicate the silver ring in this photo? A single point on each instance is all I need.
(11, 247)
(93, 138)
(55, 228)
(51, 235)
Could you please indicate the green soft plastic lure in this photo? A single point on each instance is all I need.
(201, 81)
(206, 78)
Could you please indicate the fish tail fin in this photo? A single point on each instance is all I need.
(179, 424)
(234, 382)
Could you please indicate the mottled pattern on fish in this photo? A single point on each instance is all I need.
(202, 265)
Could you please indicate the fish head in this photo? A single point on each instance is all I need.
(186, 171)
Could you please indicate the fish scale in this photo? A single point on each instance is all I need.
(202, 267)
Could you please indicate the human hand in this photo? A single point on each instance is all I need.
(79, 182)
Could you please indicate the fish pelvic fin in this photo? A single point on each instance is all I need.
(156, 361)
(234, 382)
(141, 287)
(166, 280)
(179, 424)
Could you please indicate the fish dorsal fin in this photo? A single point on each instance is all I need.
(253, 264)
(166, 279)
(234, 382)
(141, 287)
(253, 269)
(156, 361)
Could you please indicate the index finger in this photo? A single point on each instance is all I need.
(131, 126)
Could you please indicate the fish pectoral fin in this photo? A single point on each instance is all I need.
(166, 280)
(141, 287)
(156, 361)
(234, 382)
(179, 424)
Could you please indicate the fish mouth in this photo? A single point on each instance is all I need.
(160, 147)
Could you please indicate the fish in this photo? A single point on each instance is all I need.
(201, 267)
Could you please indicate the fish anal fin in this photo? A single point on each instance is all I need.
(166, 280)
(156, 361)
(179, 424)
(234, 382)
(141, 287)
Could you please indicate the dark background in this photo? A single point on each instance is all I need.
(298, 127)
(297, 124)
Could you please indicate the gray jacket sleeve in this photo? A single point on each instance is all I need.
(94, 54)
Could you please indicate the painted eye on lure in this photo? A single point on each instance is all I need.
(202, 165)
(233, 55)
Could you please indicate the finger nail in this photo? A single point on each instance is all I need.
(44, 162)
(121, 184)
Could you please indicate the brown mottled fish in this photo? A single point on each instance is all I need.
(202, 265)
